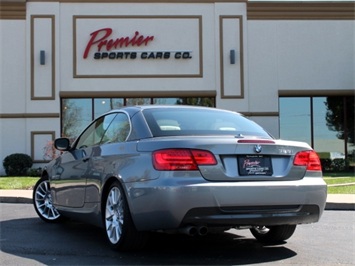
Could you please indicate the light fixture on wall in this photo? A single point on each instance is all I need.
(232, 56)
(42, 57)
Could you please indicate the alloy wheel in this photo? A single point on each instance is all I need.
(43, 202)
(114, 215)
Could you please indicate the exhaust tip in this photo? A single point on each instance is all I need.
(189, 230)
(193, 231)
(202, 230)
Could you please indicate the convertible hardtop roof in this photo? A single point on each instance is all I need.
(137, 108)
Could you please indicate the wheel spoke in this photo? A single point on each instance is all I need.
(39, 194)
(117, 232)
(40, 205)
(53, 212)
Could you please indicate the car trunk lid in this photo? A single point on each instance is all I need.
(246, 159)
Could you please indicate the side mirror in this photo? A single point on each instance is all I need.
(62, 144)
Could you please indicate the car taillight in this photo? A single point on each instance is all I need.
(181, 159)
(309, 159)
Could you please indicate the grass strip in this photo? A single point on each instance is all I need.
(342, 190)
(22, 182)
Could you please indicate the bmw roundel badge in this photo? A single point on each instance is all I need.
(258, 148)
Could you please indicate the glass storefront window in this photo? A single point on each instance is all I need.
(351, 154)
(198, 101)
(326, 123)
(170, 101)
(295, 119)
(76, 115)
(137, 101)
(325, 140)
(103, 105)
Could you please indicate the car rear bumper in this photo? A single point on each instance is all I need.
(174, 203)
(252, 215)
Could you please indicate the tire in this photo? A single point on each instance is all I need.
(120, 230)
(42, 202)
(273, 234)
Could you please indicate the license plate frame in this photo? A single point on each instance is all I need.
(251, 165)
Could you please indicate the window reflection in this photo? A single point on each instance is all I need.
(77, 113)
(137, 101)
(94, 133)
(163, 101)
(295, 119)
(198, 101)
(325, 140)
(103, 105)
(118, 130)
(326, 123)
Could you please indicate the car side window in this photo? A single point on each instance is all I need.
(118, 130)
(93, 135)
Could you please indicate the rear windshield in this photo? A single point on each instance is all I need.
(190, 121)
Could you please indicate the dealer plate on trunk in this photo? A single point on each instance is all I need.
(254, 165)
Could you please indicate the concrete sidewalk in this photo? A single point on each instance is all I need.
(334, 201)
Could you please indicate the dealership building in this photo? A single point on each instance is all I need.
(289, 66)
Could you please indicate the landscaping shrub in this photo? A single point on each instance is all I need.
(326, 164)
(339, 165)
(17, 164)
(336, 165)
(34, 172)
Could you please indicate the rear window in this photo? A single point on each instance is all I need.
(190, 121)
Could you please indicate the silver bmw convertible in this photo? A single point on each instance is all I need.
(181, 169)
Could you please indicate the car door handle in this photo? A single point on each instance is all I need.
(86, 159)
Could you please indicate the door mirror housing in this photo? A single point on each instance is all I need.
(62, 144)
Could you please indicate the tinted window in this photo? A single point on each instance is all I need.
(118, 130)
(170, 122)
(95, 132)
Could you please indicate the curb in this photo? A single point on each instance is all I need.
(16, 196)
(336, 206)
(15, 200)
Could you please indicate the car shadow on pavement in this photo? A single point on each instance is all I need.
(73, 243)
